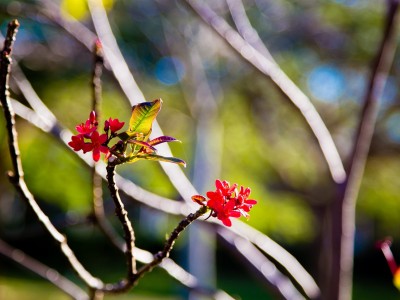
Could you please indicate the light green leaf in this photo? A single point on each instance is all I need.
(142, 117)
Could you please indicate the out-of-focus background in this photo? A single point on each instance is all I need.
(233, 125)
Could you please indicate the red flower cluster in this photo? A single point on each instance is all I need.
(89, 139)
(227, 201)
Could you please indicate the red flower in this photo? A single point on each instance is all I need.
(222, 209)
(113, 124)
(89, 126)
(244, 205)
(227, 202)
(77, 143)
(224, 188)
(97, 145)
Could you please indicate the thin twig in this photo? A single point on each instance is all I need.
(129, 235)
(51, 275)
(245, 28)
(281, 81)
(169, 244)
(17, 178)
(343, 210)
(97, 182)
(133, 276)
(5, 69)
(96, 78)
(98, 201)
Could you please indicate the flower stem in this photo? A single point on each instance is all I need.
(169, 244)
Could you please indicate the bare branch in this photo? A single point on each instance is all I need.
(42, 270)
(278, 283)
(17, 178)
(129, 235)
(171, 241)
(243, 25)
(343, 210)
(98, 203)
(294, 269)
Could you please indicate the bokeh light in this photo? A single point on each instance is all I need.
(169, 70)
(326, 83)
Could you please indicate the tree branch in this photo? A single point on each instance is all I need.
(278, 283)
(343, 210)
(98, 202)
(97, 181)
(292, 267)
(17, 178)
(245, 29)
(43, 271)
(129, 235)
(169, 244)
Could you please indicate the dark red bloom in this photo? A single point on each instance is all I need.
(77, 143)
(244, 205)
(89, 139)
(113, 124)
(226, 201)
(224, 188)
(97, 145)
(89, 126)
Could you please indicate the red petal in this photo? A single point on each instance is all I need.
(211, 194)
(115, 124)
(94, 137)
(96, 154)
(235, 214)
(250, 201)
(92, 117)
(86, 147)
(245, 208)
(102, 138)
(218, 184)
(227, 222)
(104, 149)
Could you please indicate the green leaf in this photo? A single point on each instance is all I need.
(142, 117)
